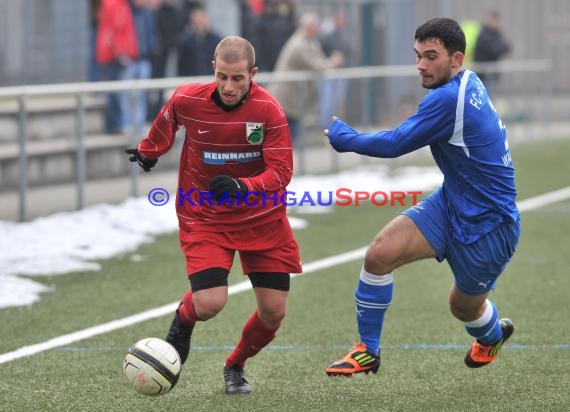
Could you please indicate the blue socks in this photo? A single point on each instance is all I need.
(486, 329)
(373, 295)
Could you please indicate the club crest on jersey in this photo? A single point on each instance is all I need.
(254, 132)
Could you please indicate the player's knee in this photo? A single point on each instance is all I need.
(207, 307)
(464, 307)
(457, 312)
(379, 257)
(462, 312)
(273, 317)
(272, 288)
(209, 291)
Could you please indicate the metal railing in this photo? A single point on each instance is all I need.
(81, 90)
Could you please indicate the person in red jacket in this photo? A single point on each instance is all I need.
(235, 164)
(115, 47)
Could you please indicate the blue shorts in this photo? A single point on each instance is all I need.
(475, 266)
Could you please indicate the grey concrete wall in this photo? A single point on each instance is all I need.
(43, 41)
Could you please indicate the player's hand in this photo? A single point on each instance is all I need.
(143, 162)
(326, 131)
(340, 135)
(225, 184)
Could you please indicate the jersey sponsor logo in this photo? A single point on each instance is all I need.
(254, 132)
(220, 158)
(203, 131)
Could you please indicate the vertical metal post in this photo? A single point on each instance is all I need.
(545, 111)
(300, 142)
(133, 142)
(335, 159)
(23, 157)
(134, 169)
(367, 85)
(335, 156)
(81, 158)
(367, 102)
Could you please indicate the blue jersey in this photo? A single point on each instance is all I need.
(469, 144)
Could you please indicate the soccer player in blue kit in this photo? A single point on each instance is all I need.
(471, 221)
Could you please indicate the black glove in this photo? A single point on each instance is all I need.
(145, 163)
(226, 184)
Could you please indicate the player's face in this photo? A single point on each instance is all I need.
(434, 63)
(232, 80)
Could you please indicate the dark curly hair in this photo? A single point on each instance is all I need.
(446, 30)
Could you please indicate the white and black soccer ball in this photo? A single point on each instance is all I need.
(152, 366)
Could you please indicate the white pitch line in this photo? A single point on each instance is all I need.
(160, 311)
(545, 199)
(325, 263)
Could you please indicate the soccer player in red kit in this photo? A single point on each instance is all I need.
(238, 148)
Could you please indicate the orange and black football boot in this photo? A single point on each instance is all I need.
(480, 354)
(357, 360)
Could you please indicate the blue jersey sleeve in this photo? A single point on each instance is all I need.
(433, 122)
(468, 141)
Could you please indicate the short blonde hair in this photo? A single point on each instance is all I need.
(233, 49)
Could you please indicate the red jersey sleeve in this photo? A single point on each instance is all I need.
(162, 133)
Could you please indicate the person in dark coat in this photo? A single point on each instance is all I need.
(196, 45)
(490, 47)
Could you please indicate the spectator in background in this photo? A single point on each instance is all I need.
(196, 45)
(93, 73)
(471, 29)
(116, 48)
(140, 67)
(333, 91)
(275, 26)
(250, 12)
(256, 6)
(188, 6)
(302, 51)
(490, 47)
(169, 24)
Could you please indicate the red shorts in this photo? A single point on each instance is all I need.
(267, 248)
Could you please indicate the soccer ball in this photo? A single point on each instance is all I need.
(152, 366)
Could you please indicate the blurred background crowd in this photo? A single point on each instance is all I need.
(92, 40)
(355, 57)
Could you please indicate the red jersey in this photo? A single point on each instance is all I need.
(251, 142)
